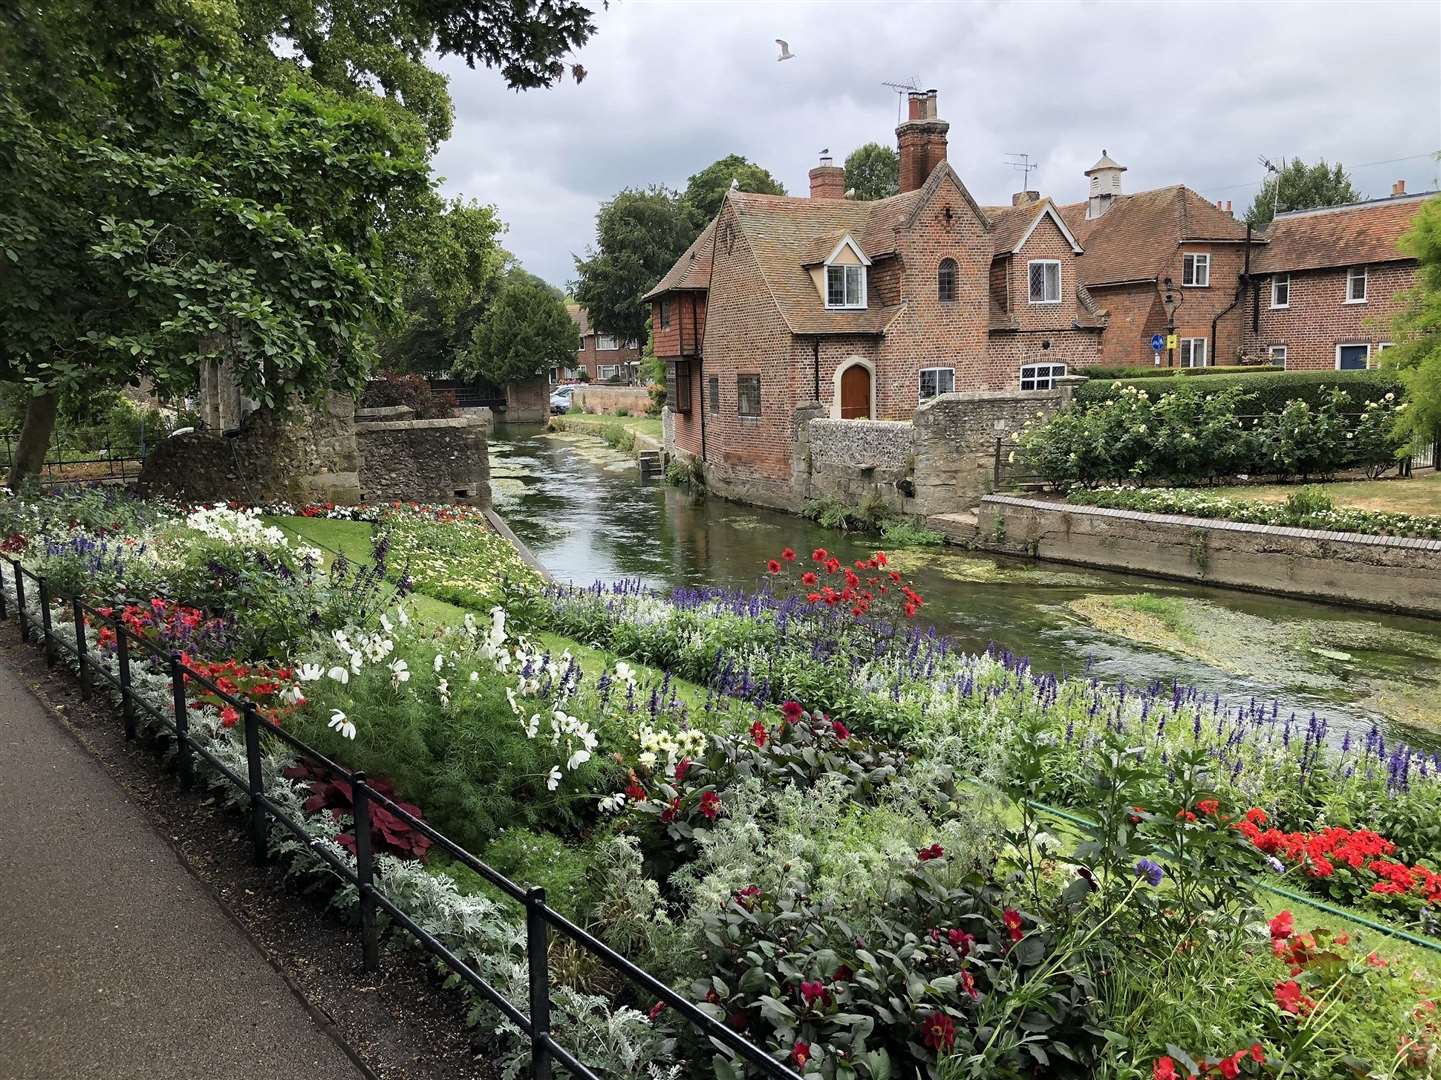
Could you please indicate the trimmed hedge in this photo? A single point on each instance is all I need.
(1101, 371)
(1268, 391)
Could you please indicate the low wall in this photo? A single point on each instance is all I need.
(859, 460)
(1393, 573)
(609, 400)
(527, 402)
(423, 460)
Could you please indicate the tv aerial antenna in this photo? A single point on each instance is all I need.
(902, 89)
(1022, 163)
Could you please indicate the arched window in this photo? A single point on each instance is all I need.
(946, 280)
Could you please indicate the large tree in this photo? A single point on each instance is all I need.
(705, 191)
(1299, 186)
(639, 235)
(1417, 352)
(873, 171)
(526, 330)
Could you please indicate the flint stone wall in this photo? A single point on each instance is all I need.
(859, 460)
(432, 461)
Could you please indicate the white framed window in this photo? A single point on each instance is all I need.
(937, 380)
(1045, 281)
(1276, 354)
(1193, 352)
(845, 286)
(1040, 376)
(605, 343)
(1196, 270)
(1356, 285)
(1281, 291)
(608, 371)
(1353, 357)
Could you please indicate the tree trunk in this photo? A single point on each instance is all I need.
(34, 438)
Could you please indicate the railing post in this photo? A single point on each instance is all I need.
(183, 762)
(4, 614)
(122, 655)
(82, 647)
(537, 950)
(259, 827)
(45, 633)
(20, 601)
(365, 872)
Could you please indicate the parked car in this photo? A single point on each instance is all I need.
(560, 399)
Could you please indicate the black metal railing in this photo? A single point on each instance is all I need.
(540, 918)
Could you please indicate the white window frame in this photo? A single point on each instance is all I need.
(1278, 283)
(1354, 345)
(1199, 265)
(1041, 375)
(606, 343)
(1181, 352)
(1045, 281)
(1382, 346)
(950, 372)
(602, 369)
(845, 270)
(1354, 274)
(1276, 352)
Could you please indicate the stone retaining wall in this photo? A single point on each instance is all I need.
(609, 400)
(859, 460)
(1392, 573)
(423, 460)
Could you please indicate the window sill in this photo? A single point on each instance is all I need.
(1280, 307)
(1202, 285)
(1043, 303)
(1361, 301)
(845, 307)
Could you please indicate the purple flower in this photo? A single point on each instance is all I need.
(1151, 871)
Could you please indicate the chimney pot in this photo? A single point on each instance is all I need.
(1025, 198)
(921, 140)
(1398, 188)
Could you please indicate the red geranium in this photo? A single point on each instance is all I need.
(792, 711)
(1164, 1069)
(789, 554)
(1290, 998)
(773, 566)
(819, 555)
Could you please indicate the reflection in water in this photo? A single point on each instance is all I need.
(583, 510)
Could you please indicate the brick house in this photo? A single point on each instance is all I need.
(1327, 284)
(603, 358)
(865, 307)
(1159, 253)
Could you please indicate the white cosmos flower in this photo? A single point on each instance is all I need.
(399, 671)
(624, 672)
(553, 780)
(309, 672)
(402, 616)
(612, 804)
(439, 661)
(475, 676)
(385, 623)
(577, 759)
(510, 697)
(341, 724)
(339, 674)
(532, 726)
(291, 695)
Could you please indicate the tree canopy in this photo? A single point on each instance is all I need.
(873, 171)
(1299, 186)
(706, 190)
(639, 235)
(1417, 351)
(525, 331)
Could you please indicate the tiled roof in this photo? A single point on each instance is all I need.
(1139, 234)
(691, 270)
(581, 317)
(1011, 223)
(1339, 235)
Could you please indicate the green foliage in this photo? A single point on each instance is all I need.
(412, 391)
(1267, 390)
(1416, 357)
(1105, 373)
(541, 858)
(873, 171)
(1299, 186)
(526, 330)
(706, 190)
(905, 533)
(639, 234)
(833, 513)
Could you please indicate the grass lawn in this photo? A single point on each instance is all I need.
(1420, 494)
(641, 425)
(352, 539)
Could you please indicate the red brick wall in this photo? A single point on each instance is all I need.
(591, 358)
(1074, 348)
(1001, 282)
(1046, 242)
(1318, 320)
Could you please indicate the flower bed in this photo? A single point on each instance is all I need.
(1302, 513)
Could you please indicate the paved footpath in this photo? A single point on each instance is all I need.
(115, 963)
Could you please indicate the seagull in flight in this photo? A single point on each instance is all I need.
(786, 53)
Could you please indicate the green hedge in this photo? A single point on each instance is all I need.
(1267, 391)
(1101, 371)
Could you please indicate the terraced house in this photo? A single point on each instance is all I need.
(867, 307)
(603, 357)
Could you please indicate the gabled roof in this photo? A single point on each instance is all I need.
(691, 270)
(827, 248)
(1138, 236)
(1015, 224)
(580, 316)
(1337, 236)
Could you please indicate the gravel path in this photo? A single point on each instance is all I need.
(114, 961)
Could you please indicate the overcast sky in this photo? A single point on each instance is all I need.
(1188, 93)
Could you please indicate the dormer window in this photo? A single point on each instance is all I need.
(845, 286)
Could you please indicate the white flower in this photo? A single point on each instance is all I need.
(341, 724)
(443, 689)
(475, 676)
(399, 671)
(385, 623)
(532, 727)
(339, 674)
(577, 759)
(402, 616)
(647, 758)
(553, 780)
(439, 662)
(309, 672)
(612, 804)
(510, 697)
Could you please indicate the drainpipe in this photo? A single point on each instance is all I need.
(1240, 294)
(816, 370)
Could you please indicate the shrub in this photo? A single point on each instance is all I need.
(1107, 372)
(1267, 389)
(395, 388)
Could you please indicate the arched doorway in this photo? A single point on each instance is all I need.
(856, 392)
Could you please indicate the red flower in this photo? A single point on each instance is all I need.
(881, 558)
(749, 897)
(1208, 806)
(789, 554)
(709, 805)
(1012, 919)
(792, 711)
(939, 1032)
(656, 1010)
(809, 578)
(819, 555)
(812, 992)
(800, 1053)
(759, 734)
(961, 941)
(1231, 1067)
(1282, 926)
(1256, 816)
(682, 767)
(1258, 1052)
(935, 851)
(1291, 1000)
(671, 812)
(1185, 815)
(842, 732)
(968, 984)
(833, 564)
(228, 716)
(1164, 1069)
(634, 791)
(773, 566)
(842, 974)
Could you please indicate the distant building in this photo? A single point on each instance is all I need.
(1329, 283)
(602, 357)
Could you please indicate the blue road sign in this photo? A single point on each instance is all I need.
(1157, 342)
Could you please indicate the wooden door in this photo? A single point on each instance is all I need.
(855, 393)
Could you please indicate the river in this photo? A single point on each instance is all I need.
(582, 508)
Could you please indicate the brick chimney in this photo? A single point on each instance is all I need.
(1025, 198)
(1398, 188)
(921, 140)
(828, 180)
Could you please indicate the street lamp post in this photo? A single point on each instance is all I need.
(1170, 301)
